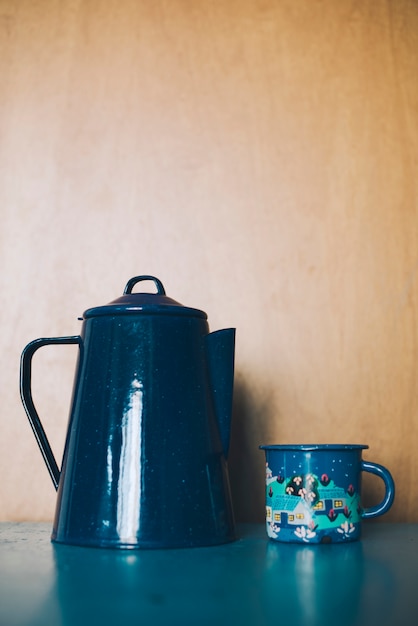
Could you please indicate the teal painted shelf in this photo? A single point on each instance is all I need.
(251, 581)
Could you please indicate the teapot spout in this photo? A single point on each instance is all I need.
(220, 352)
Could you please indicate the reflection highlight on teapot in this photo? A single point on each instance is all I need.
(129, 479)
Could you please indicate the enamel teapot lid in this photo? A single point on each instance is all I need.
(143, 303)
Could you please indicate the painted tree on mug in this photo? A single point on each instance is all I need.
(304, 486)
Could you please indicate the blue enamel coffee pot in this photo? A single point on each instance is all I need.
(144, 463)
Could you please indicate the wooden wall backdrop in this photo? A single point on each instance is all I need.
(260, 157)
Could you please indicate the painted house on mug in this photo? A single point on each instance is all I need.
(288, 511)
(332, 498)
(292, 510)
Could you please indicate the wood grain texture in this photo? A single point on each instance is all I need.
(260, 157)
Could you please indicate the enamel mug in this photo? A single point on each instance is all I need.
(313, 492)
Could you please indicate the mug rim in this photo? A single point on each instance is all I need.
(310, 447)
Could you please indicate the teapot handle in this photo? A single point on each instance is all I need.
(26, 396)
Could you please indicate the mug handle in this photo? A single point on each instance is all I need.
(27, 400)
(386, 476)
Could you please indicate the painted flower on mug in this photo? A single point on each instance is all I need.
(305, 533)
(346, 529)
(311, 497)
(273, 530)
(346, 511)
(332, 515)
(325, 479)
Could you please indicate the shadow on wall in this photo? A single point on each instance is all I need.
(252, 419)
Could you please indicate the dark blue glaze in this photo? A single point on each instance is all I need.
(144, 464)
(313, 492)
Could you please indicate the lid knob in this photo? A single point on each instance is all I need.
(137, 279)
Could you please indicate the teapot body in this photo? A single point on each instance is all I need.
(144, 465)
